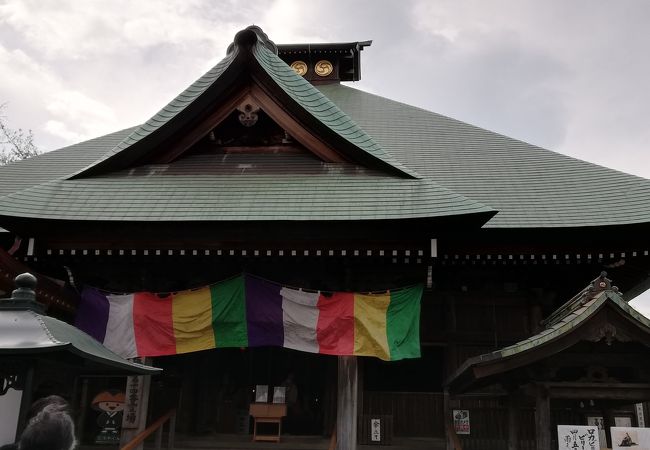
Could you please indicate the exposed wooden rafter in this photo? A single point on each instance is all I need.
(251, 93)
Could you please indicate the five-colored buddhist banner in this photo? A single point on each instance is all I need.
(247, 311)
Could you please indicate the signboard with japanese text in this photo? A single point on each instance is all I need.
(461, 421)
(630, 438)
(640, 419)
(578, 437)
(599, 422)
(131, 418)
(375, 430)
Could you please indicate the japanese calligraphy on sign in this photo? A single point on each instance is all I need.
(375, 430)
(461, 421)
(578, 437)
(134, 388)
(639, 415)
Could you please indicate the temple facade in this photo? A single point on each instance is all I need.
(272, 167)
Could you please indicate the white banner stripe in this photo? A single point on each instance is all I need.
(300, 319)
(120, 337)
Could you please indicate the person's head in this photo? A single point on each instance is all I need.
(50, 429)
(55, 401)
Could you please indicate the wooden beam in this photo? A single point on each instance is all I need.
(202, 129)
(542, 419)
(346, 413)
(295, 129)
(634, 392)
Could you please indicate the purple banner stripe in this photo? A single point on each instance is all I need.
(92, 313)
(263, 313)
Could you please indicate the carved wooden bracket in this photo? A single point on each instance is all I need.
(609, 333)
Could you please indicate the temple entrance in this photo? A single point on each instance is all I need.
(214, 389)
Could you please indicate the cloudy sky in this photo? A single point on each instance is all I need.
(571, 76)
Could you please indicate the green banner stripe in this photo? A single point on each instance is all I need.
(229, 313)
(403, 323)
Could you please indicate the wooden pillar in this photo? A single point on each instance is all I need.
(82, 408)
(346, 412)
(513, 421)
(446, 413)
(542, 419)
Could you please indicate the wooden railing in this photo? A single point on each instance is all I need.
(156, 427)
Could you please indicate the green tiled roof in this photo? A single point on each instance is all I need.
(322, 108)
(240, 187)
(451, 168)
(569, 322)
(56, 164)
(531, 187)
(302, 92)
(566, 319)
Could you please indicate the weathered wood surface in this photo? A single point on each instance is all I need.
(346, 417)
(414, 413)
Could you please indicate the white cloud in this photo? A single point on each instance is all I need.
(38, 99)
(61, 130)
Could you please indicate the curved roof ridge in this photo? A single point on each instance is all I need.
(252, 44)
(167, 113)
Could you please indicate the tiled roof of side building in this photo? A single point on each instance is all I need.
(561, 324)
(531, 187)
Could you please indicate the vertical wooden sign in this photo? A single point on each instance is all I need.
(133, 407)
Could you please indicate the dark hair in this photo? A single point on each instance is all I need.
(50, 429)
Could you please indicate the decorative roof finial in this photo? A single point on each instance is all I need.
(249, 36)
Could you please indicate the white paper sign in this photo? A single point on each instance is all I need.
(577, 437)
(375, 430)
(262, 393)
(599, 422)
(9, 408)
(279, 394)
(624, 438)
(639, 415)
(461, 421)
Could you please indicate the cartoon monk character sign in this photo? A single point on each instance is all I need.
(110, 405)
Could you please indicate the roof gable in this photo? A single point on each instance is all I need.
(585, 317)
(251, 72)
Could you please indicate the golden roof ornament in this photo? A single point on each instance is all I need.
(300, 67)
(323, 68)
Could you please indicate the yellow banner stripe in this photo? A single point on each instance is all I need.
(192, 316)
(370, 325)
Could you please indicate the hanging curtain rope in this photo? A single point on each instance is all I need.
(298, 288)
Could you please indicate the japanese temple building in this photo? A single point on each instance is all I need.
(272, 164)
